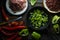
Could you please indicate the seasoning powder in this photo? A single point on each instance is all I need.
(53, 5)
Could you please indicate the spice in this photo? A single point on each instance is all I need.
(13, 37)
(17, 5)
(15, 23)
(21, 23)
(5, 33)
(13, 28)
(53, 5)
(18, 38)
(4, 14)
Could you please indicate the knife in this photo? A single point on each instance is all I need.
(15, 19)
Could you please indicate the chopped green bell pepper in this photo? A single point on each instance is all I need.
(55, 19)
(36, 35)
(33, 2)
(56, 28)
(24, 32)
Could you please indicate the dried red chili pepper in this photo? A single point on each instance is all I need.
(0, 29)
(7, 34)
(14, 28)
(21, 23)
(4, 14)
(9, 24)
(12, 37)
(18, 38)
(15, 23)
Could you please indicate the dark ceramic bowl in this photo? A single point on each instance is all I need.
(28, 22)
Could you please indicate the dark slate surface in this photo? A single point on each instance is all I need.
(47, 35)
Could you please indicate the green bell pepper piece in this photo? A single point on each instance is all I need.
(55, 19)
(56, 28)
(33, 2)
(24, 32)
(36, 35)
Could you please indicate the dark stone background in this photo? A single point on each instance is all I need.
(47, 34)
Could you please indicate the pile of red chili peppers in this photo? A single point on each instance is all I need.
(11, 30)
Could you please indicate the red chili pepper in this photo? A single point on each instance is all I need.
(0, 29)
(13, 28)
(15, 23)
(13, 37)
(4, 14)
(7, 34)
(18, 38)
(21, 23)
(9, 24)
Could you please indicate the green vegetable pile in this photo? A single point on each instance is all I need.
(55, 23)
(38, 18)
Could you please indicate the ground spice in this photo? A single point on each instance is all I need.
(53, 5)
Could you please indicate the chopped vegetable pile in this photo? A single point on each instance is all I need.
(55, 23)
(38, 18)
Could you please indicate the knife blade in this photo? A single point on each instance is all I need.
(15, 19)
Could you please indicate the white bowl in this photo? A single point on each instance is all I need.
(44, 3)
(17, 13)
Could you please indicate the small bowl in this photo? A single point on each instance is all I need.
(28, 22)
(44, 4)
(17, 13)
